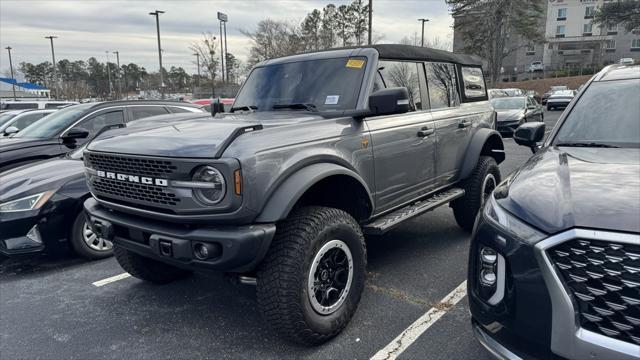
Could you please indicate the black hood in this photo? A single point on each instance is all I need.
(38, 177)
(191, 138)
(11, 144)
(561, 188)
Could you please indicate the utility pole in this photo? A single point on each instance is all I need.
(157, 15)
(198, 65)
(53, 55)
(213, 75)
(108, 74)
(226, 65)
(118, 74)
(370, 20)
(223, 47)
(423, 21)
(13, 80)
(221, 52)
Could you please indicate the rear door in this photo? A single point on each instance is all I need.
(96, 122)
(403, 144)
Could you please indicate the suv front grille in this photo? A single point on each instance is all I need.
(604, 279)
(147, 193)
(127, 165)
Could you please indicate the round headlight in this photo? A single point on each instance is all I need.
(213, 188)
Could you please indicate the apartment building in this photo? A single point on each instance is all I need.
(574, 41)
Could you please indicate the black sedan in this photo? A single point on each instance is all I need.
(72, 126)
(515, 111)
(41, 203)
(554, 263)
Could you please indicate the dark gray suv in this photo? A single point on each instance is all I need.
(317, 150)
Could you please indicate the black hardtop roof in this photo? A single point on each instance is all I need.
(409, 52)
(142, 102)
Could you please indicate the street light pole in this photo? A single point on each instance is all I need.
(108, 74)
(118, 74)
(198, 65)
(370, 20)
(423, 21)
(157, 15)
(53, 56)
(13, 80)
(226, 66)
(221, 52)
(213, 77)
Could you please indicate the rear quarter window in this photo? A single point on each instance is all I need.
(473, 81)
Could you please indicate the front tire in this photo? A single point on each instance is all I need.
(310, 282)
(86, 243)
(477, 187)
(147, 269)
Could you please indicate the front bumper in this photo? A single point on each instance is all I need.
(242, 246)
(537, 317)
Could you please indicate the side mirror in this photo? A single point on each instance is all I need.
(75, 133)
(216, 107)
(10, 130)
(389, 101)
(529, 134)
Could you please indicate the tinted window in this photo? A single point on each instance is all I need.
(473, 82)
(441, 81)
(97, 122)
(607, 112)
(55, 123)
(27, 119)
(20, 105)
(139, 112)
(328, 84)
(400, 74)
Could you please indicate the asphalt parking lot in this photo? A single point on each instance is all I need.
(50, 308)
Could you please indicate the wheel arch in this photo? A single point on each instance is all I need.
(309, 185)
(486, 142)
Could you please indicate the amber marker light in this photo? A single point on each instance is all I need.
(237, 177)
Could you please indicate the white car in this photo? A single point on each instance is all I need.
(34, 104)
(626, 61)
(536, 66)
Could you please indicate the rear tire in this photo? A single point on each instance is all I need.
(485, 178)
(147, 269)
(85, 242)
(310, 282)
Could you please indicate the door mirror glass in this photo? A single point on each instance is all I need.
(76, 133)
(529, 134)
(10, 130)
(389, 101)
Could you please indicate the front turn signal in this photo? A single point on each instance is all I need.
(237, 177)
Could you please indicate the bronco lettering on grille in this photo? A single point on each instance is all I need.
(133, 178)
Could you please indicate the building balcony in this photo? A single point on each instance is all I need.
(584, 37)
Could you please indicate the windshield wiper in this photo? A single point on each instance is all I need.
(244, 107)
(586, 144)
(308, 107)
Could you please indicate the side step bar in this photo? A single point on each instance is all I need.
(385, 223)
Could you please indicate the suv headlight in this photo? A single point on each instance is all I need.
(502, 219)
(212, 185)
(27, 203)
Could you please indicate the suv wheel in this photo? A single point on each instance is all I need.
(311, 280)
(86, 243)
(477, 187)
(147, 269)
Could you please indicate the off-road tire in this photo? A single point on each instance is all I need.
(283, 298)
(147, 269)
(465, 209)
(78, 244)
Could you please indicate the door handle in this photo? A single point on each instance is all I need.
(425, 131)
(464, 124)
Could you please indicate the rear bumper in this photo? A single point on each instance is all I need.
(242, 247)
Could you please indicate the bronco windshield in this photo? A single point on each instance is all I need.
(312, 85)
(51, 125)
(606, 115)
(508, 103)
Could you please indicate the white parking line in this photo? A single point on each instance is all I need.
(410, 334)
(111, 279)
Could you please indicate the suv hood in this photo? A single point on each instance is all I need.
(38, 177)
(561, 188)
(199, 138)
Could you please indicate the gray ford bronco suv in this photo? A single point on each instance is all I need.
(318, 150)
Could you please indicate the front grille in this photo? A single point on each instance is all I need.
(147, 193)
(128, 165)
(604, 279)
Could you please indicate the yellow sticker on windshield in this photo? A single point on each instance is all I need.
(355, 63)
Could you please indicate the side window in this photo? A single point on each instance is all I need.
(473, 82)
(27, 120)
(97, 122)
(175, 109)
(400, 74)
(139, 112)
(441, 82)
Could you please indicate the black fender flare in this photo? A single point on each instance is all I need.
(474, 150)
(283, 199)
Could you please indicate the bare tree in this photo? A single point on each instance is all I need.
(273, 38)
(209, 62)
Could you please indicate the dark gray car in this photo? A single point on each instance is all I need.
(515, 111)
(318, 150)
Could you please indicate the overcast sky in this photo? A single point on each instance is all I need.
(90, 27)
